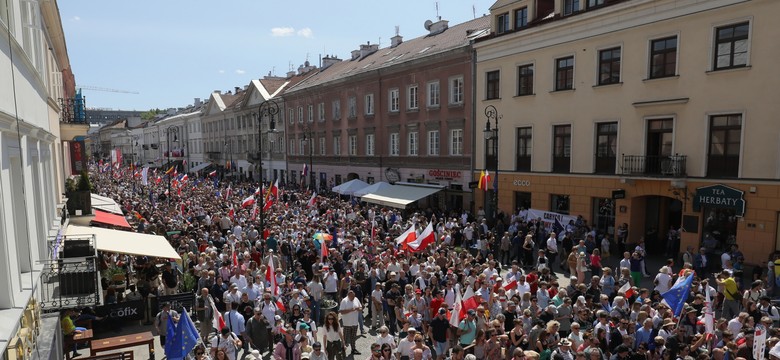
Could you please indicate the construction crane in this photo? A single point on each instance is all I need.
(97, 88)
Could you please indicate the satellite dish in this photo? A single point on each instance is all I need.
(427, 25)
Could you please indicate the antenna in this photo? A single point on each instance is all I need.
(474, 10)
(397, 30)
(273, 68)
(437, 11)
(307, 56)
(379, 42)
(289, 66)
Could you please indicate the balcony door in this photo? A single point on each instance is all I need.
(659, 144)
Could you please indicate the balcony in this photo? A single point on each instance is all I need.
(673, 166)
(72, 110)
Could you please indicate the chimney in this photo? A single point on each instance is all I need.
(197, 102)
(290, 74)
(327, 61)
(396, 40)
(237, 88)
(438, 27)
(355, 54)
(368, 49)
(301, 69)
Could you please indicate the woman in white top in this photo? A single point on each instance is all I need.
(384, 337)
(663, 281)
(334, 337)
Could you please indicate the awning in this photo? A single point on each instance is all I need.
(126, 242)
(370, 189)
(399, 196)
(200, 167)
(106, 204)
(108, 218)
(350, 187)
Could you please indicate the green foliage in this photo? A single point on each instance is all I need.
(84, 183)
(188, 283)
(70, 186)
(149, 115)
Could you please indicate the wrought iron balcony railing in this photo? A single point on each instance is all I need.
(654, 165)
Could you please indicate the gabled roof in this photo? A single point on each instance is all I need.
(457, 36)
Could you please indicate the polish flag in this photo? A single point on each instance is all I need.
(254, 211)
(426, 238)
(217, 321)
(324, 251)
(313, 200)
(280, 305)
(184, 178)
(259, 191)
(228, 192)
(249, 201)
(469, 302)
(457, 307)
(510, 284)
(627, 289)
(408, 236)
(213, 173)
(270, 276)
(271, 196)
(232, 213)
(709, 320)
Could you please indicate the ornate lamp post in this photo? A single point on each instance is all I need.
(491, 135)
(171, 130)
(308, 139)
(267, 108)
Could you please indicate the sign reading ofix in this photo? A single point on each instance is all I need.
(720, 196)
(444, 174)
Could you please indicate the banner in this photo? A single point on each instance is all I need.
(759, 342)
(78, 157)
(127, 310)
(549, 217)
(177, 301)
(116, 156)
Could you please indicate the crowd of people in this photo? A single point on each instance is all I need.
(484, 289)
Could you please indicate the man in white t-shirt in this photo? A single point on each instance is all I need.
(315, 289)
(331, 284)
(350, 309)
(377, 310)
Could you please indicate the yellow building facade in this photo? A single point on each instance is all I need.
(652, 113)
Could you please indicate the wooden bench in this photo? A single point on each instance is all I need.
(125, 355)
(69, 341)
(125, 341)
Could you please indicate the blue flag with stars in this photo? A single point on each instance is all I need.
(169, 346)
(677, 295)
(184, 338)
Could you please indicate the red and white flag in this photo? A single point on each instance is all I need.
(232, 213)
(709, 319)
(235, 255)
(407, 236)
(627, 290)
(313, 200)
(254, 211)
(456, 309)
(470, 302)
(270, 276)
(248, 201)
(228, 192)
(323, 251)
(422, 241)
(213, 173)
(217, 321)
(511, 283)
(271, 196)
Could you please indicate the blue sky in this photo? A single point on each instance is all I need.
(172, 51)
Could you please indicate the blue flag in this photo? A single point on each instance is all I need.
(557, 227)
(184, 338)
(677, 295)
(170, 349)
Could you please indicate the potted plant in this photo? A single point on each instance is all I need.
(79, 194)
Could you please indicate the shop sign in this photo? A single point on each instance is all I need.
(444, 174)
(521, 182)
(78, 157)
(720, 196)
(392, 175)
(127, 310)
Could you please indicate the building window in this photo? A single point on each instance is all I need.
(370, 145)
(336, 107)
(525, 80)
(609, 66)
(292, 147)
(353, 145)
(370, 104)
(663, 57)
(559, 204)
(302, 147)
(433, 143)
(524, 149)
(300, 114)
(456, 142)
(394, 100)
(394, 145)
(570, 7)
(595, 3)
(725, 142)
(413, 143)
(492, 84)
(311, 113)
(606, 147)
(412, 100)
(521, 18)
(564, 73)
(502, 23)
(456, 90)
(322, 146)
(433, 94)
(731, 46)
(337, 145)
(562, 148)
(352, 107)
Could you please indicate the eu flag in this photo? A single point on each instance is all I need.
(184, 338)
(677, 295)
(169, 343)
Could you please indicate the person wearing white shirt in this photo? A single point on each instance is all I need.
(350, 309)
(315, 290)
(552, 251)
(625, 262)
(233, 295)
(663, 281)
(331, 284)
(238, 279)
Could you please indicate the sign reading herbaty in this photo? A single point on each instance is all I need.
(720, 196)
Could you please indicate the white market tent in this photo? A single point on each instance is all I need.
(401, 195)
(370, 189)
(349, 187)
(126, 242)
(106, 204)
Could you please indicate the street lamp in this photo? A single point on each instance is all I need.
(175, 131)
(491, 135)
(308, 139)
(267, 108)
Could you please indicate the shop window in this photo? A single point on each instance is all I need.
(603, 215)
(720, 230)
(559, 203)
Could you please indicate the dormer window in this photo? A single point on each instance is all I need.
(570, 7)
(595, 3)
(502, 23)
(521, 18)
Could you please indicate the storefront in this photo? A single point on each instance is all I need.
(721, 208)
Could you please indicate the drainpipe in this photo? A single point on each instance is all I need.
(473, 118)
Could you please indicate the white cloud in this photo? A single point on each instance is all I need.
(221, 71)
(282, 31)
(76, 18)
(305, 32)
(240, 72)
